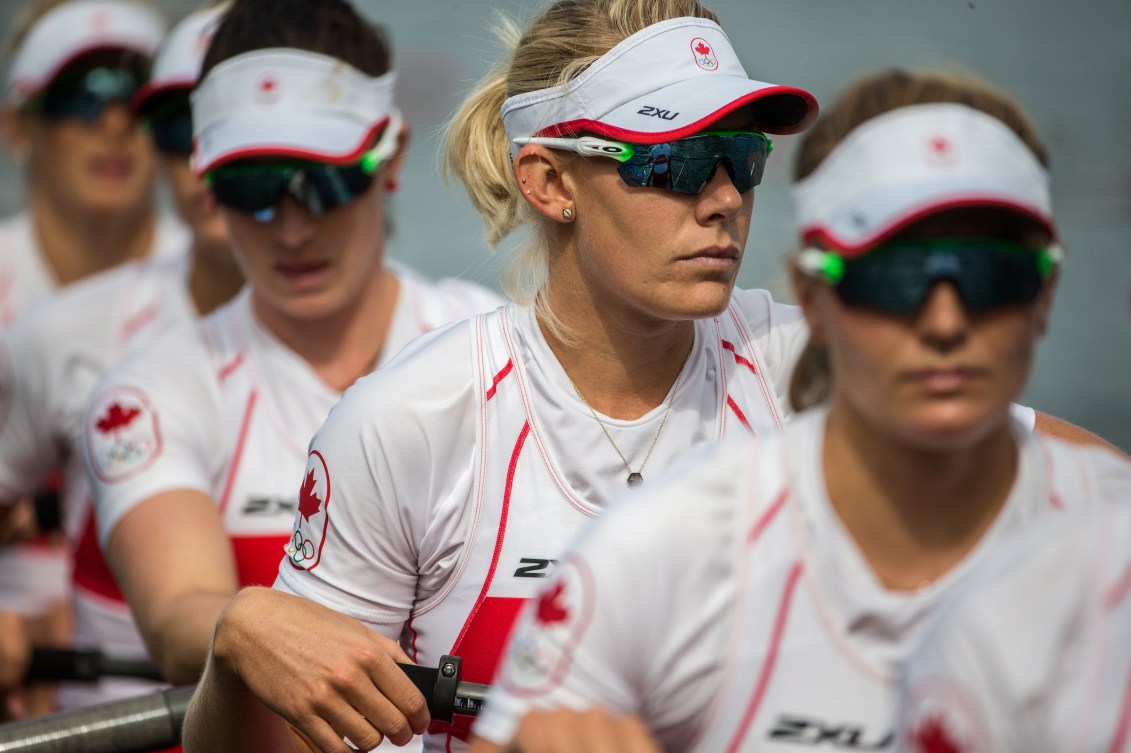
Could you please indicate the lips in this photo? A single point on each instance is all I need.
(945, 380)
(112, 168)
(297, 268)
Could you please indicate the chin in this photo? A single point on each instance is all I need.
(951, 427)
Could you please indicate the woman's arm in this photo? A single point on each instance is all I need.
(173, 561)
(278, 658)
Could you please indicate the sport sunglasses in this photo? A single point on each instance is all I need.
(257, 189)
(85, 95)
(897, 278)
(170, 125)
(684, 166)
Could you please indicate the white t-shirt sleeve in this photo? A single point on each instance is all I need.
(153, 425)
(385, 500)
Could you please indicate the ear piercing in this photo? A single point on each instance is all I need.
(567, 213)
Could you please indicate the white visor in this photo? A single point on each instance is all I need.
(177, 65)
(901, 166)
(74, 29)
(668, 81)
(287, 103)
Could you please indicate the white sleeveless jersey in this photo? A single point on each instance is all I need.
(1035, 655)
(223, 407)
(25, 277)
(442, 489)
(753, 624)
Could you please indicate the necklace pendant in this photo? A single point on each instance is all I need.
(635, 480)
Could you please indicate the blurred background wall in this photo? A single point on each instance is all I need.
(1069, 64)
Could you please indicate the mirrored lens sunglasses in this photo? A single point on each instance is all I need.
(897, 278)
(684, 166)
(85, 95)
(317, 187)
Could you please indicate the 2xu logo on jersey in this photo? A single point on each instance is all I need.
(269, 506)
(803, 731)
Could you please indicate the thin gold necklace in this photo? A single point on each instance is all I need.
(636, 478)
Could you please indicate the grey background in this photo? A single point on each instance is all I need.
(1069, 63)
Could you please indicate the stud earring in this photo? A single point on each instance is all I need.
(524, 181)
(528, 191)
(567, 213)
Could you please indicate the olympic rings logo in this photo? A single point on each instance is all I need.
(300, 549)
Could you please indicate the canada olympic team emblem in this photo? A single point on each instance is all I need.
(543, 645)
(704, 54)
(122, 434)
(305, 547)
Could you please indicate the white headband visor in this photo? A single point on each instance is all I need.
(913, 162)
(287, 103)
(178, 61)
(668, 81)
(74, 29)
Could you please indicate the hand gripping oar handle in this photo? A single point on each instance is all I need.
(447, 695)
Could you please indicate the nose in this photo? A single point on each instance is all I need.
(942, 321)
(719, 199)
(116, 119)
(294, 225)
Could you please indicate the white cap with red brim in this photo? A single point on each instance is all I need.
(668, 81)
(913, 162)
(287, 103)
(76, 28)
(177, 65)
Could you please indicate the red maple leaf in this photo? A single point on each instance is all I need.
(550, 608)
(267, 84)
(308, 502)
(940, 145)
(116, 418)
(703, 49)
(933, 737)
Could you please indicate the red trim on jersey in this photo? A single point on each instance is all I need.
(258, 557)
(499, 377)
(499, 537)
(1119, 589)
(227, 369)
(1123, 727)
(771, 658)
(411, 629)
(739, 414)
(764, 521)
(90, 571)
(739, 359)
(237, 454)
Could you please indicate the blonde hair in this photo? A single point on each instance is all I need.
(811, 381)
(556, 46)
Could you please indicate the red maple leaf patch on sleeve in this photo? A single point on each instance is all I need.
(932, 737)
(116, 418)
(550, 608)
(308, 501)
(703, 49)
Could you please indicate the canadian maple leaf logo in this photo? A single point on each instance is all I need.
(703, 49)
(933, 737)
(116, 418)
(550, 608)
(308, 501)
